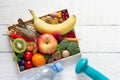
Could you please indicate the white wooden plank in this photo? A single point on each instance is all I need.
(92, 38)
(88, 12)
(8, 68)
(107, 64)
(9, 71)
(4, 40)
(98, 12)
(40, 7)
(99, 38)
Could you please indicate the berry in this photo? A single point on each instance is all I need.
(71, 35)
(22, 61)
(22, 68)
(19, 60)
(28, 64)
(28, 55)
(59, 39)
(65, 15)
(64, 11)
(57, 36)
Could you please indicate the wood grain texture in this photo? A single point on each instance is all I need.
(98, 27)
(107, 64)
(92, 39)
(88, 12)
(8, 68)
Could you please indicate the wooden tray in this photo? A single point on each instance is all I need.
(31, 22)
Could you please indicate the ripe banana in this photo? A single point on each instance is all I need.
(63, 28)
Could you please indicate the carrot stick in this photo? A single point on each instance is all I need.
(72, 39)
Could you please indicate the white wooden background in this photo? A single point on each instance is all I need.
(98, 27)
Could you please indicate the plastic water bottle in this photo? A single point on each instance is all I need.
(45, 72)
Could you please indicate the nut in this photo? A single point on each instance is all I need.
(35, 50)
(60, 20)
(53, 15)
(65, 53)
(31, 46)
(57, 55)
(55, 20)
(49, 19)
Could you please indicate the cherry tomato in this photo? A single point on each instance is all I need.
(28, 55)
(28, 64)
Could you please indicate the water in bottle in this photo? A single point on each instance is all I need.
(45, 72)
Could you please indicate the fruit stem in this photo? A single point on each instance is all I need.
(33, 14)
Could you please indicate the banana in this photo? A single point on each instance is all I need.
(43, 27)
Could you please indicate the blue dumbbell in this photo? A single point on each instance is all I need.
(82, 66)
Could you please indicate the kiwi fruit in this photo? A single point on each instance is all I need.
(19, 45)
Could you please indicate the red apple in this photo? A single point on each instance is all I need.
(46, 43)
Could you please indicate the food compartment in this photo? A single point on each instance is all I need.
(33, 48)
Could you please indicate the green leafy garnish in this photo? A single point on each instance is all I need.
(59, 48)
(62, 45)
(15, 58)
(20, 55)
(73, 48)
(47, 57)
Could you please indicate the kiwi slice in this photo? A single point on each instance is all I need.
(19, 45)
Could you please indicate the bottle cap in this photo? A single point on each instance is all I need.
(58, 67)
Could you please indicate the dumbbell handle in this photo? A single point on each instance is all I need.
(94, 74)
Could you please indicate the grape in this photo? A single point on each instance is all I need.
(22, 68)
